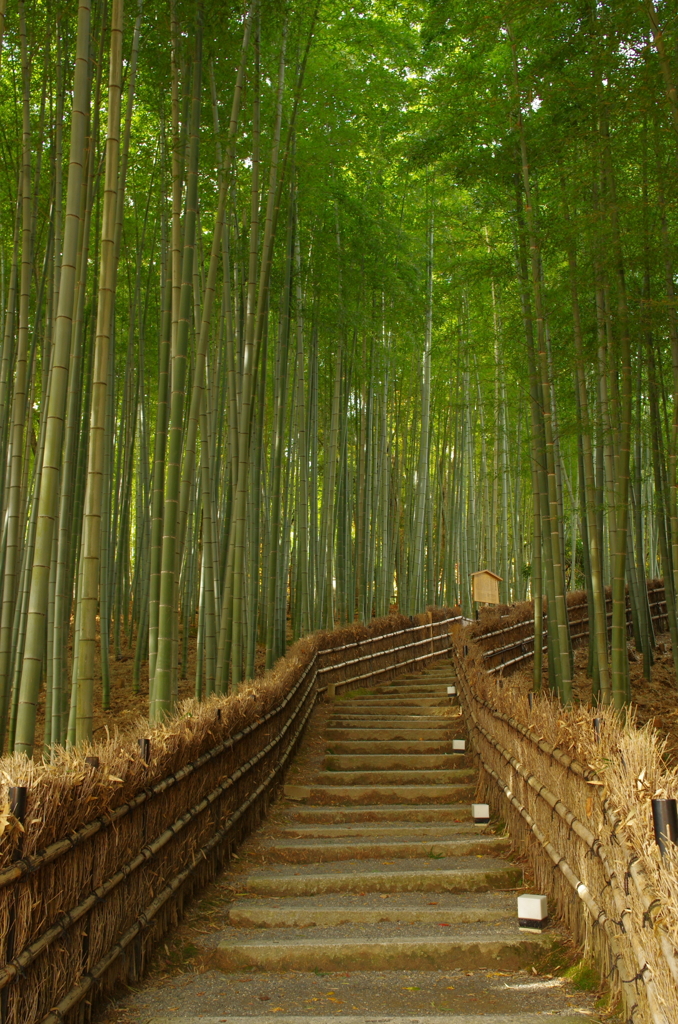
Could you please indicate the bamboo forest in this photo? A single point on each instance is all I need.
(313, 308)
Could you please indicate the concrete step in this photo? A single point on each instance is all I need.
(353, 732)
(322, 850)
(400, 777)
(389, 746)
(455, 812)
(390, 709)
(415, 677)
(425, 689)
(404, 701)
(336, 762)
(381, 794)
(423, 728)
(384, 947)
(370, 1018)
(378, 830)
(450, 874)
(390, 712)
(332, 909)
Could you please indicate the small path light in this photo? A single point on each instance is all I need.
(452, 691)
(665, 819)
(458, 746)
(533, 913)
(481, 814)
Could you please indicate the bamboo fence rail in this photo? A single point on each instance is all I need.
(500, 656)
(100, 850)
(575, 786)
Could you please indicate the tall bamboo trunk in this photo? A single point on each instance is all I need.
(36, 634)
(88, 597)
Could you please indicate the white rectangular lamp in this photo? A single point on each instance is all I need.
(451, 691)
(533, 913)
(458, 746)
(481, 813)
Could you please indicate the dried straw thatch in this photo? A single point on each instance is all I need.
(107, 855)
(577, 796)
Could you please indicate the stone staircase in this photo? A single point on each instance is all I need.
(371, 865)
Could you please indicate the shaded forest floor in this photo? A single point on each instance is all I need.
(126, 706)
(654, 700)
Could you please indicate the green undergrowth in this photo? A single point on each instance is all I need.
(364, 692)
(584, 976)
(564, 959)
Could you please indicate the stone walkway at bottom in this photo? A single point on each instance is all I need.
(368, 896)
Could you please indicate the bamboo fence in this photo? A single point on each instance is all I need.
(575, 787)
(505, 633)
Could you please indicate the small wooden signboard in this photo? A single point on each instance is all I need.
(485, 587)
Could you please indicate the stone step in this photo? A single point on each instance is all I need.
(389, 746)
(450, 874)
(336, 762)
(396, 689)
(380, 794)
(353, 732)
(399, 777)
(384, 947)
(380, 1018)
(331, 909)
(423, 728)
(323, 850)
(416, 677)
(378, 829)
(377, 701)
(390, 709)
(456, 812)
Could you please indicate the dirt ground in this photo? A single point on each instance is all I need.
(127, 707)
